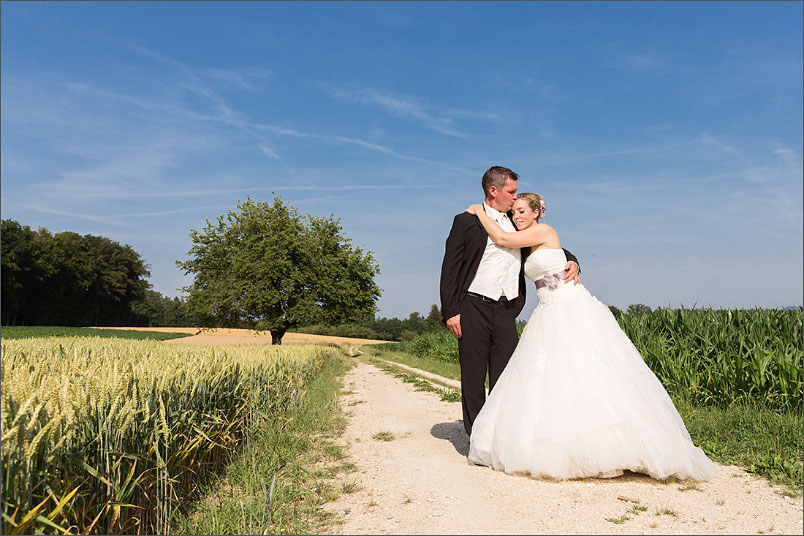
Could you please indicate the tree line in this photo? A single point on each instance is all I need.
(66, 279)
(385, 329)
(156, 310)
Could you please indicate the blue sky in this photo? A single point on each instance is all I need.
(666, 137)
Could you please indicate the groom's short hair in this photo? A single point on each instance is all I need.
(496, 176)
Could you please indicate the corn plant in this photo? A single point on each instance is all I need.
(713, 356)
(719, 356)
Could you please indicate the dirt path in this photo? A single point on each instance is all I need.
(249, 336)
(420, 482)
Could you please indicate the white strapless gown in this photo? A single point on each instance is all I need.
(576, 399)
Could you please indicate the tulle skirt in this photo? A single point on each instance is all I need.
(576, 400)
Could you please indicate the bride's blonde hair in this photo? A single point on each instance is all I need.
(534, 201)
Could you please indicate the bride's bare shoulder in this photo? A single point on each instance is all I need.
(548, 236)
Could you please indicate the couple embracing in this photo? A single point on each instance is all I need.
(571, 397)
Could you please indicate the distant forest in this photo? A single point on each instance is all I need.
(67, 279)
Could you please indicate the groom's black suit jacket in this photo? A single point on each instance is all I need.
(465, 246)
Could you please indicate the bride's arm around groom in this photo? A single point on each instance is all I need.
(482, 291)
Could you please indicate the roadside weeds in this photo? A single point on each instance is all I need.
(278, 482)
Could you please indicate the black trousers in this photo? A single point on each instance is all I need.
(488, 338)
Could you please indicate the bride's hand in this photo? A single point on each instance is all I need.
(473, 209)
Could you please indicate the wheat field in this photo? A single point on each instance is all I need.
(109, 435)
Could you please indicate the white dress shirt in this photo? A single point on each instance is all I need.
(498, 273)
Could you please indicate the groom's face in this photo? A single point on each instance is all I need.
(505, 196)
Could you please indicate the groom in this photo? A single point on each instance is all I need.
(483, 291)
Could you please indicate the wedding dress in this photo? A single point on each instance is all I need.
(576, 399)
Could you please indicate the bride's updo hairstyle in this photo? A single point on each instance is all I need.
(534, 201)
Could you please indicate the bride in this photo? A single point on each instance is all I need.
(576, 399)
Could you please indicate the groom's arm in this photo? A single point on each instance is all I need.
(572, 268)
(572, 258)
(450, 270)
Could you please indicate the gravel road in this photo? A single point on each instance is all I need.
(419, 482)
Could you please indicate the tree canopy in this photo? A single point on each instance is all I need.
(162, 311)
(68, 279)
(266, 266)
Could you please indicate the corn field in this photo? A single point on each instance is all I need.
(717, 356)
(712, 356)
(109, 435)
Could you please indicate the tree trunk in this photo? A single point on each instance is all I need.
(276, 336)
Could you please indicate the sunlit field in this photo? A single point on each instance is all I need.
(109, 435)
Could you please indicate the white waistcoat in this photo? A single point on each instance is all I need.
(498, 273)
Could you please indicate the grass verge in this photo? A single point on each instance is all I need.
(283, 474)
(389, 352)
(35, 332)
(762, 441)
(446, 394)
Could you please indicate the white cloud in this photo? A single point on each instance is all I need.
(160, 212)
(714, 142)
(112, 193)
(250, 79)
(787, 157)
(401, 106)
(574, 157)
(157, 108)
(115, 219)
(473, 114)
(270, 153)
(77, 215)
(620, 187)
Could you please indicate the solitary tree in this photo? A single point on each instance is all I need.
(265, 266)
